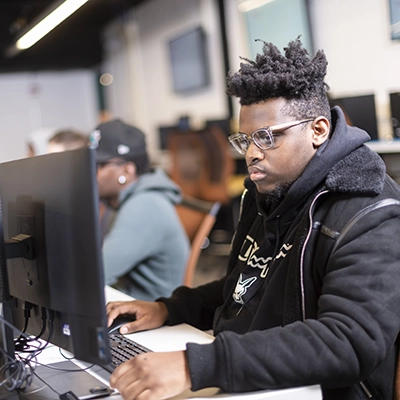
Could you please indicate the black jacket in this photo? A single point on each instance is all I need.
(312, 290)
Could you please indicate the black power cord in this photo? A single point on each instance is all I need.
(17, 372)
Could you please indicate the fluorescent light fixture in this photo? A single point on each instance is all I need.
(106, 79)
(48, 23)
(249, 5)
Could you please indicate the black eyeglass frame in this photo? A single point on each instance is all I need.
(269, 131)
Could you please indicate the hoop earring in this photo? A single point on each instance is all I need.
(122, 179)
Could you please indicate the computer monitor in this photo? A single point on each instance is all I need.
(189, 61)
(52, 247)
(360, 111)
(395, 113)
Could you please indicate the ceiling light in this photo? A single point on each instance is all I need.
(249, 5)
(106, 79)
(48, 23)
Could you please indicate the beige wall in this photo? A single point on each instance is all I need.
(147, 81)
(355, 35)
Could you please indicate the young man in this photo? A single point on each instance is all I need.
(146, 248)
(311, 294)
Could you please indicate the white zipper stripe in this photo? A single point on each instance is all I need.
(310, 217)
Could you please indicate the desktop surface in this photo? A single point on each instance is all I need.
(166, 338)
(175, 338)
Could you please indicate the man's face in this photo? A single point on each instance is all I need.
(275, 169)
(107, 179)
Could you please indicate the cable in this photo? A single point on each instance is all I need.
(14, 328)
(17, 373)
(21, 341)
(78, 369)
(27, 307)
(48, 385)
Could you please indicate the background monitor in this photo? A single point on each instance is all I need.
(394, 10)
(189, 61)
(53, 200)
(395, 113)
(360, 111)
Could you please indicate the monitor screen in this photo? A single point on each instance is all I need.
(395, 113)
(189, 62)
(394, 19)
(360, 111)
(50, 204)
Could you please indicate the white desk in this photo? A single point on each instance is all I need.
(176, 337)
(170, 338)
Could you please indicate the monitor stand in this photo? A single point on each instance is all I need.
(6, 333)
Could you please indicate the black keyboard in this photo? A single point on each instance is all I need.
(123, 349)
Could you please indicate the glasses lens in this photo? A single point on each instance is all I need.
(263, 138)
(240, 143)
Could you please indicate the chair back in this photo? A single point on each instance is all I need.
(198, 218)
(201, 163)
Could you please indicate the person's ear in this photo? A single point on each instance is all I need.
(130, 170)
(321, 129)
(127, 173)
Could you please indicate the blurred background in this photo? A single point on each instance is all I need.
(161, 65)
(158, 63)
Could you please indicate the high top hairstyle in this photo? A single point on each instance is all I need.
(294, 76)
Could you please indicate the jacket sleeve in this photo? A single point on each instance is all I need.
(195, 307)
(355, 328)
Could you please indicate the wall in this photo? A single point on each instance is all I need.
(266, 23)
(141, 47)
(355, 36)
(29, 101)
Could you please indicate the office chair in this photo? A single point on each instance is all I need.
(198, 218)
(397, 379)
(201, 163)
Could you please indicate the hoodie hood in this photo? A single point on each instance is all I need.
(156, 180)
(329, 164)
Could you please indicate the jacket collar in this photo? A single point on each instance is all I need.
(362, 172)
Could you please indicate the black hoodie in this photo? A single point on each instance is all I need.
(311, 292)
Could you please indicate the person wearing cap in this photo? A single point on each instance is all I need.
(146, 248)
(311, 292)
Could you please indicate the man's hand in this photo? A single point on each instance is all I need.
(149, 315)
(152, 376)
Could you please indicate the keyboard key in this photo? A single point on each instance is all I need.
(123, 349)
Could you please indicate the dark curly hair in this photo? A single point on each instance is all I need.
(294, 76)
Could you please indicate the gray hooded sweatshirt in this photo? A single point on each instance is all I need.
(146, 249)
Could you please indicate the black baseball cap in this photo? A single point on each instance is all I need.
(115, 139)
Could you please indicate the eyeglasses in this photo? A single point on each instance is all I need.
(263, 138)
